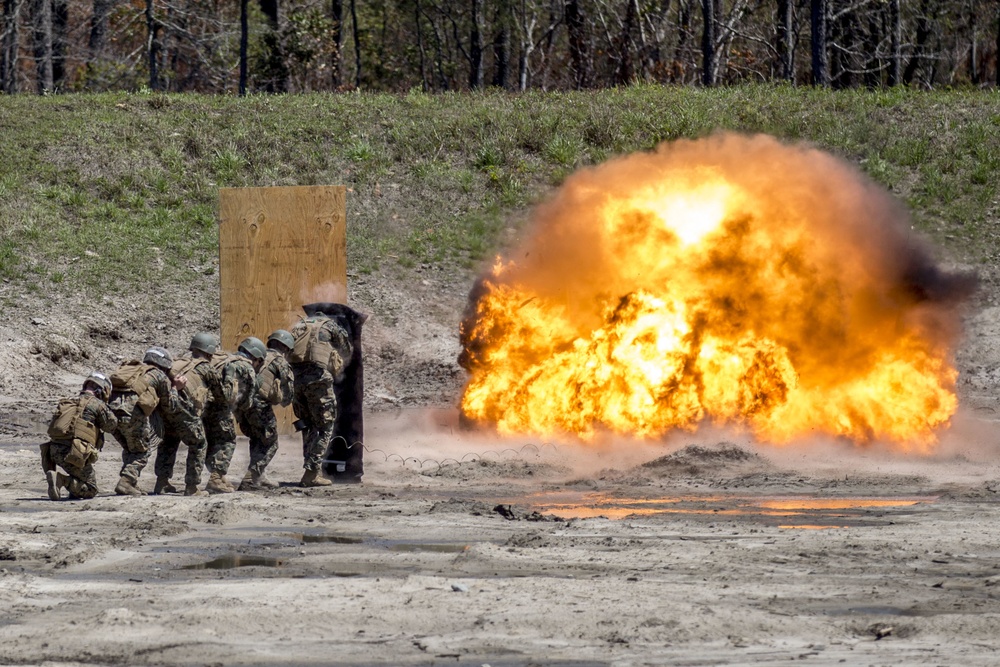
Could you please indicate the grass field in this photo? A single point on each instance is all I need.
(116, 192)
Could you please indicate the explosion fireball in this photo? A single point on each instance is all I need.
(731, 280)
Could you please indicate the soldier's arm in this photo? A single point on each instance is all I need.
(342, 350)
(170, 401)
(287, 380)
(106, 420)
(247, 380)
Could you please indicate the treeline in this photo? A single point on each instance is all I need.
(52, 46)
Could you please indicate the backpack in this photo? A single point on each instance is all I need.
(272, 388)
(68, 423)
(309, 344)
(196, 388)
(219, 362)
(131, 376)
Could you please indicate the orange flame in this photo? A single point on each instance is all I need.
(734, 280)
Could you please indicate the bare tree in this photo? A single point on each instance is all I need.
(244, 39)
(41, 42)
(580, 50)
(60, 34)
(9, 45)
(786, 53)
(152, 46)
(357, 43)
(475, 44)
(708, 42)
(820, 52)
(501, 44)
(895, 43)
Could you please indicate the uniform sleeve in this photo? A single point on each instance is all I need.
(170, 401)
(246, 381)
(106, 420)
(287, 381)
(216, 391)
(342, 349)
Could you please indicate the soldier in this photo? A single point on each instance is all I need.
(77, 431)
(321, 351)
(203, 386)
(274, 387)
(138, 389)
(238, 372)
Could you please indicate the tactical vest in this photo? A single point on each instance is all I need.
(196, 389)
(131, 376)
(312, 342)
(219, 362)
(68, 422)
(271, 388)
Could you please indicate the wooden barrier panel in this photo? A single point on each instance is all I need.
(279, 248)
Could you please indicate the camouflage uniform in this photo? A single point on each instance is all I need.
(186, 425)
(138, 434)
(315, 402)
(82, 481)
(238, 381)
(259, 423)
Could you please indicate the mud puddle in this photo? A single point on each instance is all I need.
(802, 512)
(232, 561)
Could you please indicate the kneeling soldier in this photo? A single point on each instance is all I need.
(77, 431)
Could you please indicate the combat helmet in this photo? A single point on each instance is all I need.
(253, 347)
(101, 382)
(159, 357)
(281, 336)
(204, 341)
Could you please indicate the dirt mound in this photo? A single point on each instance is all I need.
(487, 469)
(697, 460)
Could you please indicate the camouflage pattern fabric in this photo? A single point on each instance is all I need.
(184, 426)
(259, 423)
(83, 480)
(140, 435)
(188, 426)
(220, 427)
(315, 403)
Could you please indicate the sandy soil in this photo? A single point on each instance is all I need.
(460, 549)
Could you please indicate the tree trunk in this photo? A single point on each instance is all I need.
(580, 53)
(501, 46)
(923, 35)
(681, 58)
(337, 17)
(244, 39)
(895, 43)
(997, 47)
(41, 24)
(708, 43)
(476, 45)
(625, 71)
(357, 44)
(785, 44)
(973, 38)
(152, 46)
(820, 54)
(60, 34)
(10, 45)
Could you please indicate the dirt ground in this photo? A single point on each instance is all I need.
(462, 549)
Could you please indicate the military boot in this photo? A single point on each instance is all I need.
(265, 482)
(251, 482)
(127, 487)
(218, 484)
(52, 477)
(163, 485)
(193, 490)
(313, 478)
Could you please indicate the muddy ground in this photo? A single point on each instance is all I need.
(463, 550)
(460, 549)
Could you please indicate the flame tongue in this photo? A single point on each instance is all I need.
(733, 279)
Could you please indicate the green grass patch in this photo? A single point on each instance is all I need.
(120, 191)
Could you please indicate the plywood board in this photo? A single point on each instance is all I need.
(279, 248)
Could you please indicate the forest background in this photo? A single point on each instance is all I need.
(213, 46)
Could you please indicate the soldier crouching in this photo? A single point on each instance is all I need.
(77, 431)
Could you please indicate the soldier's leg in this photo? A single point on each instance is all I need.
(197, 444)
(166, 454)
(135, 436)
(264, 443)
(224, 438)
(322, 407)
(81, 482)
